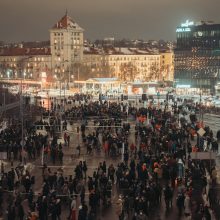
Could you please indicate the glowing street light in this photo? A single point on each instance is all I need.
(8, 73)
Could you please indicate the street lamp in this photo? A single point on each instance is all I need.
(8, 73)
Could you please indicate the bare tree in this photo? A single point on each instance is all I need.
(154, 72)
(128, 71)
(91, 70)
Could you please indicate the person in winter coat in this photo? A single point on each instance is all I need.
(72, 215)
(11, 212)
(20, 212)
(207, 214)
(83, 210)
(180, 203)
(58, 208)
(187, 206)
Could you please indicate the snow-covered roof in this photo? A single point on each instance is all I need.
(66, 22)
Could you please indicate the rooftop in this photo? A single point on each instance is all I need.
(66, 22)
(120, 51)
(24, 51)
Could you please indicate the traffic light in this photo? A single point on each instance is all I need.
(122, 97)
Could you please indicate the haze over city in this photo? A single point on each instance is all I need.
(26, 20)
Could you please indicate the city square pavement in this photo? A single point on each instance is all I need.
(71, 159)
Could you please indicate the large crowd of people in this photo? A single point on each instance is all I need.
(151, 147)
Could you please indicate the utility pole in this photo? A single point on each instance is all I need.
(22, 124)
(60, 111)
(78, 78)
(200, 102)
(4, 100)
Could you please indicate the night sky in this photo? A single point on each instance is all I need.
(30, 20)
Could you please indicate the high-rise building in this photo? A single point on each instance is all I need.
(66, 41)
(197, 56)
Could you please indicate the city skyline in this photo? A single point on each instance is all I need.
(30, 21)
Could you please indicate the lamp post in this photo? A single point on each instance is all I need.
(60, 85)
(22, 122)
(24, 75)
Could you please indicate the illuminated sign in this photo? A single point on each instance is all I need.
(183, 29)
(187, 23)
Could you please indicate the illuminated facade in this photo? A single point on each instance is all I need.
(24, 63)
(167, 65)
(66, 42)
(67, 59)
(197, 56)
(126, 64)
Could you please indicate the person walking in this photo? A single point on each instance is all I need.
(180, 203)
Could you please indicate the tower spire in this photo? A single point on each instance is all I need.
(66, 12)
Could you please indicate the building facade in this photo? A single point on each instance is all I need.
(66, 49)
(27, 63)
(67, 59)
(66, 42)
(197, 56)
(167, 65)
(126, 64)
